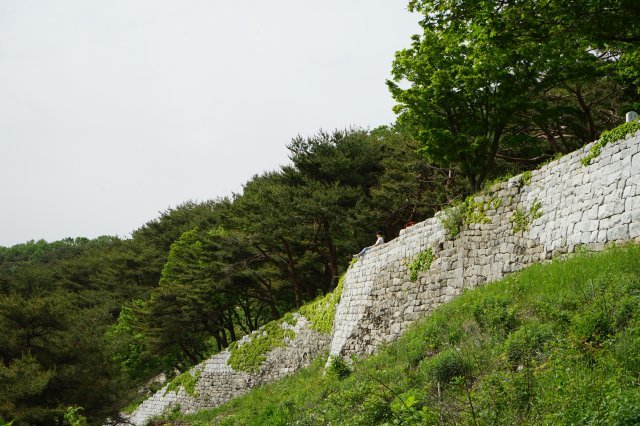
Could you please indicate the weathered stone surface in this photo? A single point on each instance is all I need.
(218, 382)
(588, 206)
(581, 206)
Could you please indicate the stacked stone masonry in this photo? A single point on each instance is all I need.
(218, 383)
(578, 206)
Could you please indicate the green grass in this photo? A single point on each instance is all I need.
(554, 344)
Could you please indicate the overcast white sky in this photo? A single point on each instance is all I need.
(114, 110)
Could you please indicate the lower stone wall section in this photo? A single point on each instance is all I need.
(576, 205)
(218, 382)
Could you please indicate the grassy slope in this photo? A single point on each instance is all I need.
(553, 344)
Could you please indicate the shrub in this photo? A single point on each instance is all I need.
(452, 219)
(495, 313)
(526, 344)
(339, 367)
(446, 366)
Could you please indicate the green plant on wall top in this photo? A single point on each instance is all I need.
(421, 263)
(469, 211)
(250, 355)
(186, 380)
(320, 313)
(608, 137)
(521, 219)
(452, 219)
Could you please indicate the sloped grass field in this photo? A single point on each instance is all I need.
(554, 344)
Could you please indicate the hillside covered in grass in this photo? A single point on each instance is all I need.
(554, 344)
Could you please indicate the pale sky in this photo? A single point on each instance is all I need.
(112, 111)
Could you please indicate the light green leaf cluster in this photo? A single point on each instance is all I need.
(186, 380)
(421, 263)
(321, 312)
(470, 211)
(521, 219)
(610, 136)
(250, 355)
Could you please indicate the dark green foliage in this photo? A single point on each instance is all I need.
(446, 366)
(339, 368)
(57, 301)
(512, 352)
(496, 314)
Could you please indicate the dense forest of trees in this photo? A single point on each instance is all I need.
(489, 88)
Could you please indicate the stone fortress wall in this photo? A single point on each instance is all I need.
(525, 220)
(528, 219)
(217, 382)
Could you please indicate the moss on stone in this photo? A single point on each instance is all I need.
(321, 312)
(186, 380)
(250, 355)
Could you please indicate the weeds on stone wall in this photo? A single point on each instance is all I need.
(522, 219)
(467, 212)
(610, 136)
(452, 220)
(186, 380)
(525, 178)
(250, 355)
(321, 312)
(421, 263)
(73, 417)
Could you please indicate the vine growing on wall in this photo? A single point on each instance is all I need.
(608, 137)
(467, 212)
(421, 263)
(522, 219)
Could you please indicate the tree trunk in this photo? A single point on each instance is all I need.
(292, 273)
(190, 355)
(333, 257)
(587, 113)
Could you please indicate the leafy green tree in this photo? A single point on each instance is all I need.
(462, 99)
(492, 81)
